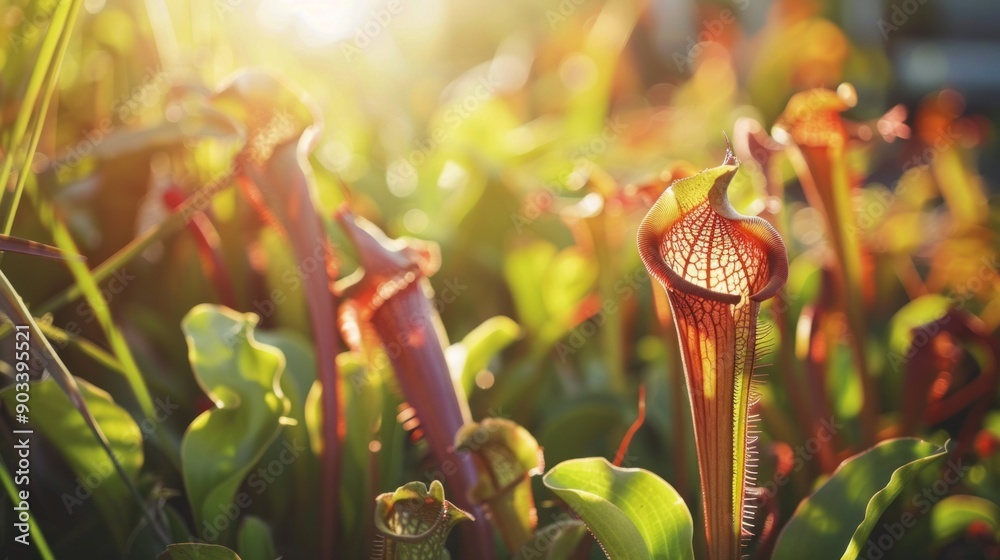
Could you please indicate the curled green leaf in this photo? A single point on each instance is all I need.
(506, 456)
(632, 513)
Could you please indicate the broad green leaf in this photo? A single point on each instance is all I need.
(632, 513)
(836, 520)
(473, 354)
(221, 445)
(197, 551)
(524, 270)
(54, 417)
(254, 540)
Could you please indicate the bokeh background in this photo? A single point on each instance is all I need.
(527, 139)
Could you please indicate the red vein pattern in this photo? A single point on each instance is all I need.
(716, 266)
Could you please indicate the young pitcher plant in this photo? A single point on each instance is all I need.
(717, 266)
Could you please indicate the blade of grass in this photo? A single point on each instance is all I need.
(137, 246)
(173, 223)
(92, 350)
(52, 79)
(28, 247)
(42, 65)
(40, 543)
(92, 293)
(14, 308)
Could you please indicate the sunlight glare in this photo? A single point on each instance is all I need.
(315, 22)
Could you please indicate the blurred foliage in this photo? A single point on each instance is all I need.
(526, 140)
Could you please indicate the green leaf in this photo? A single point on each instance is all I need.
(221, 445)
(291, 505)
(953, 515)
(255, 542)
(632, 512)
(474, 352)
(506, 457)
(524, 270)
(54, 417)
(196, 551)
(836, 520)
(915, 314)
(570, 277)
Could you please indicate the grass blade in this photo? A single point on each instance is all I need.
(52, 79)
(45, 56)
(13, 307)
(28, 247)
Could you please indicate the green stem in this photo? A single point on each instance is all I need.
(50, 86)
(13, 306)
(59, 17)
(176, 221)
(92, 350)
(35, 530)
(850, 270)
(87, 284)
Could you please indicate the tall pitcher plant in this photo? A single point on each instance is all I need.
(717, 266)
